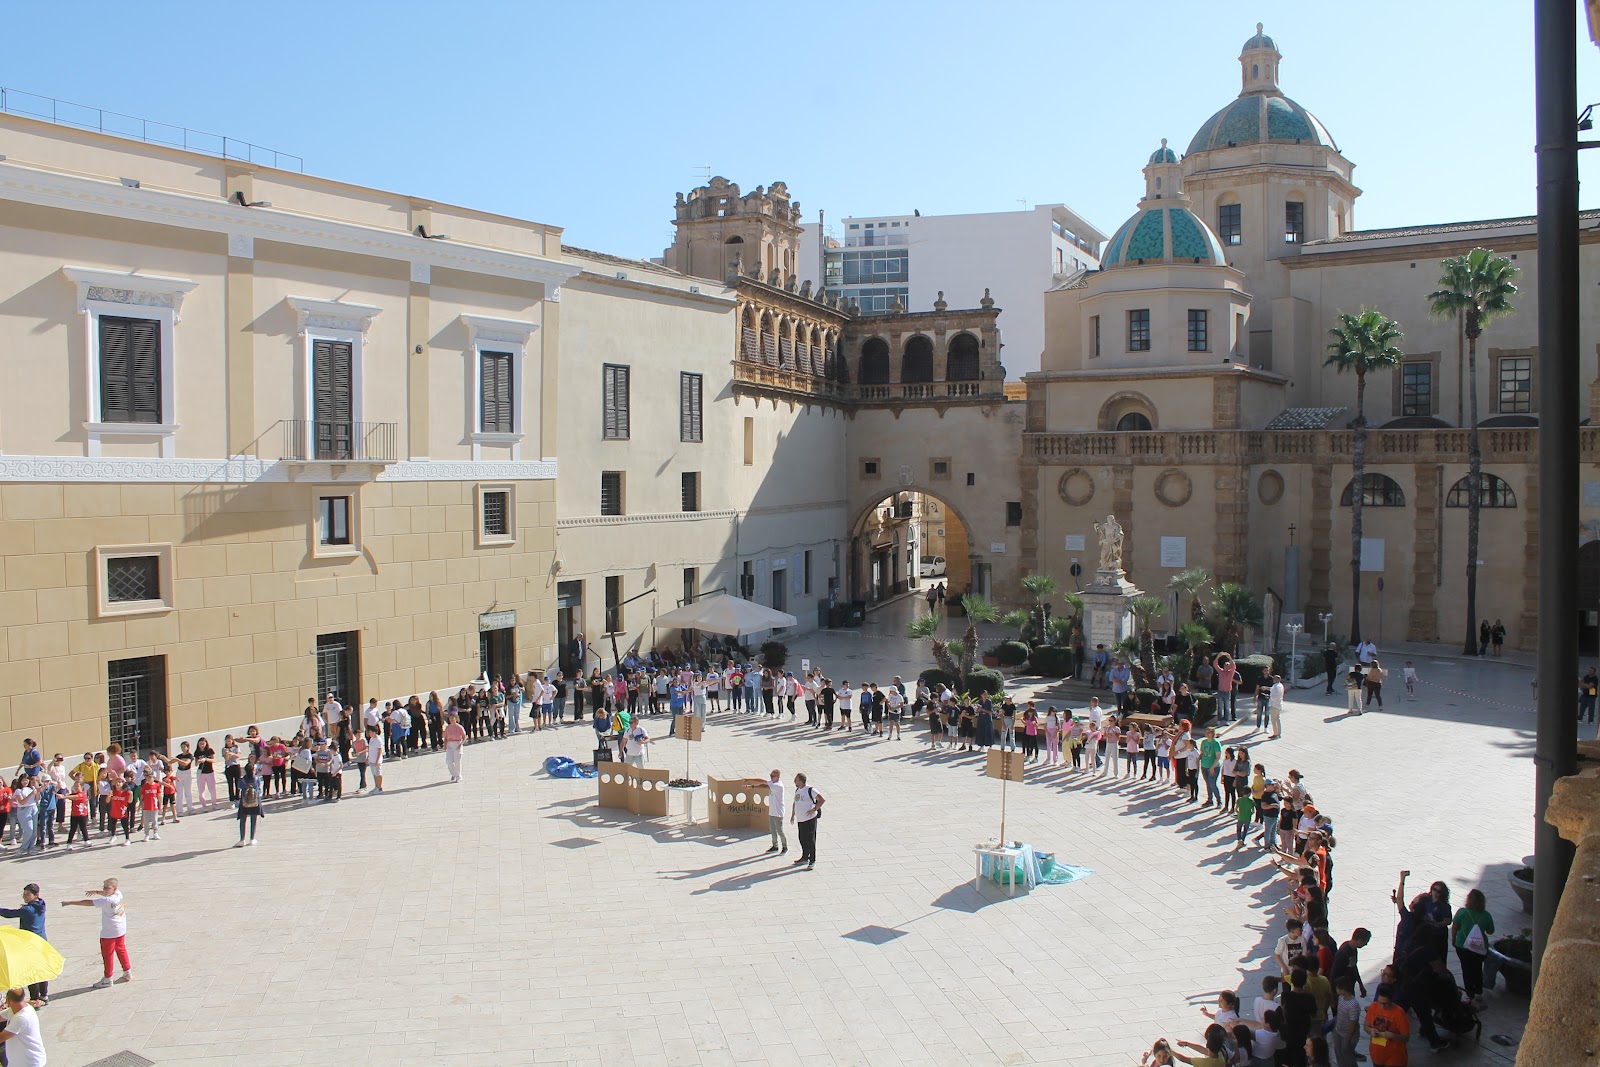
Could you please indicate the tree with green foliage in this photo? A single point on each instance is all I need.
(1144, 608)
(1234, 610)
(955, 658)
(1478, 288)
(1362, 343)
(1191, 583)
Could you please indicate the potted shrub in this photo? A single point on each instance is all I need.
(1011, 653)
(1521, 881)
(774, 654)
(1513, 958)
(991, 656)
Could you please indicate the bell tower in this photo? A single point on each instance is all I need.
(720, 231)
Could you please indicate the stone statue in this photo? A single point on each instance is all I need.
(1110, 533)
(805, 289)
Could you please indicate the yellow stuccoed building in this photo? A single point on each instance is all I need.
(263, 435)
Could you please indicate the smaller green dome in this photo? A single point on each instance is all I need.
(1260, 40)
(1163, 232)
(1163, 154)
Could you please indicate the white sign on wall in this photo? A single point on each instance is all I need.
(1372, 554)
(997, 547)
(1073, 543)
(1175, 552)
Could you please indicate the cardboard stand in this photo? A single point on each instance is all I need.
(637, 789)
(1005, 765)
(738, 803)
(691, 728)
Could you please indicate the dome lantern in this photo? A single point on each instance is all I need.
(1163, 175)
(1258, 63)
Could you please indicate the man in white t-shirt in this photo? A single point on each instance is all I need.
(335, 722)
(23, 1045)
(1365, 652)
(113, 927)
(374, 757)
(780, 840)
(713, 688)
(805, 813)
(637, 738)
(1275, 705)
(1095, 712)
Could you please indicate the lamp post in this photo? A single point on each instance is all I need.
(1294, 629)
(1325, 616)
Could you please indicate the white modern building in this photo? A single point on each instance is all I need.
(876, 260)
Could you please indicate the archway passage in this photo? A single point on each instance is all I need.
(1589, 599)
(962, 364)
(917, 364)
(908, 542)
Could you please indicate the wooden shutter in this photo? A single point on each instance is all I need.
(332, 398)
(130, 369)
(614, 400)
(498, 403)
(690, 392)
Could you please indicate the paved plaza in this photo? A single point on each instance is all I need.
(508, 920)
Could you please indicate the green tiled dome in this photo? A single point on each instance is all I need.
(1261, 117)
(1163, 154)
(1260, 40)
(1163, 233)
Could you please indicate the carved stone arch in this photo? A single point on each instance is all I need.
(874, 366)
(1127, 403)
(916, 359)
(963, 358)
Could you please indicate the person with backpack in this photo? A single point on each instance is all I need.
(249, 810)
(805, 812)
(1470, 932)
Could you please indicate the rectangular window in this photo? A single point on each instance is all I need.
(614, 401)
(869, 468)
(1416, 388)
(136, 699)
(1094, 335)
(130, 369)
(133, 579)
(1294, 222)
(691, 490)
(691, 583)
(747, 580)
(1197, 330)
(496, 513)
(497, 401)
(876, 267)
(333, 520)
(1516, 385)
(1229, 226)
(1014, 513)
(879, 301)
(749, 442)
(691, 390)
(1139, 330)
(333, 399)
(614, 604)
(611, 493)
(807, 562)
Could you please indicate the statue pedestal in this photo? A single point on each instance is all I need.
(1106, 619)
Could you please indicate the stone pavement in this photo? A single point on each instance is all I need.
(507, 920)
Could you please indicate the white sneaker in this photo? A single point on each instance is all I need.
(104, 983)
(155, 837)
(252, 842)
(127, 976)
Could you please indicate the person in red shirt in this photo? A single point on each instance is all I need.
(150, 807)
(1389, 1028)
(169, 796)
(122, 809)
(78, 803)
(5, 807)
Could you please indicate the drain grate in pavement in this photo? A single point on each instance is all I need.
(124, 1058)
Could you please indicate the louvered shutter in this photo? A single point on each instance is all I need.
(614, 422)
(116, 401)
(332, 396)
(130, 369)
(690, 390)
(499, 410)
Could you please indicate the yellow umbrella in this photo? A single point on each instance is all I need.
(26, 958)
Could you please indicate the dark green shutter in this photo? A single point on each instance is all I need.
(332, 392)
(690, 391)
(130, 369)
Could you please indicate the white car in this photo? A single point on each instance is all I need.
(932, 567)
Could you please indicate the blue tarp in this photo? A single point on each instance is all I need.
(565, 767)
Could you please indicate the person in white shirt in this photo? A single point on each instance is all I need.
(894, 708)
(547, 701)
(113, 927)
(1095, 713)
(805, 812)
(1275, 705)
(713, 684)
(813, 688)
(335, 722)
(1290, 945)
(780, 840)
(637, 738)
(22, 1043)
(1365, 652)
(847, 703)
(1268, 1001)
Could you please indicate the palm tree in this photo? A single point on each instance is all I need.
(1191, 583)
(1195, 636)
(1038, 586)
(1143, 608)
(1235, 609)
(1479, 286)
(1364, 342)
(955, 657)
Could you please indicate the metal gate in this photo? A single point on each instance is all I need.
(336, 672)
(134, 687)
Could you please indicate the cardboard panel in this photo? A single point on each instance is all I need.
(738, 803)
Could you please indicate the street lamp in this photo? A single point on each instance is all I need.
(1325, 616)
(1294, 629)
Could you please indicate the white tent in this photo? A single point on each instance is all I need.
(725, 614)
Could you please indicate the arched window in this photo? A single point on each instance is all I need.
(749, 339)
(838, 366)
(962, 363)
(732, 249)
(875, 362)
(916, 365)
(1493, 492)
(1377, 491)
(1134, 420)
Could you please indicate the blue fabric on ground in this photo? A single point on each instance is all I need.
(565, 767)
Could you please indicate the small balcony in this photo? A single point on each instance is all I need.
(339, 444)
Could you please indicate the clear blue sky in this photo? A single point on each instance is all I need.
(592, 115)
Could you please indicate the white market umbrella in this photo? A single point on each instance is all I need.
(725, 614)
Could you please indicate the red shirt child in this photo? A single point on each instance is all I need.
(5, 799)
(150, 795)
(80, 804)
(169, 785)
(121, 799)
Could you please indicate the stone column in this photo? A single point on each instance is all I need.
(1423, 624)
(1526, 636)
(1320, 598)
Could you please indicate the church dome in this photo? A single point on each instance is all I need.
(1163, 154)
(1260, 40)
(1163, 232)
(1261, 117)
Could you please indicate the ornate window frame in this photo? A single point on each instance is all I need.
(130, 294)
(329, 320)
(486, 333)
(105, 608)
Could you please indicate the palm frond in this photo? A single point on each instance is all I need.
(1143, 607)
(980, 608)
(923, 626)
(1016, 619)
(1039, 586)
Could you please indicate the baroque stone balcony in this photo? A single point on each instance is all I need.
(1265, 446)
(800, 385)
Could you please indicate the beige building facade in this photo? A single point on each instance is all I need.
(263, 435)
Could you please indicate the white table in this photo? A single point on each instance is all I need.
(688, 793)
(999, 854)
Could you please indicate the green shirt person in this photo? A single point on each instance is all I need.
(1210, 750)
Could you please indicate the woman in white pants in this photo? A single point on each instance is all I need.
(454, 736)
(183, 768)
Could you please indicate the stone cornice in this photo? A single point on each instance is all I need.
(46, 188)
(595, 280)
(1117, 374)
(241, 470)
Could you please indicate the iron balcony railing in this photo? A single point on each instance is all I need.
(337, 441)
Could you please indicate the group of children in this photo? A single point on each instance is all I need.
(44, 798)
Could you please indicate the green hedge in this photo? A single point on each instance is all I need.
(1054, 661)
(1205, 709)
(981, 680)
(1142, 699)
(1011, 653)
